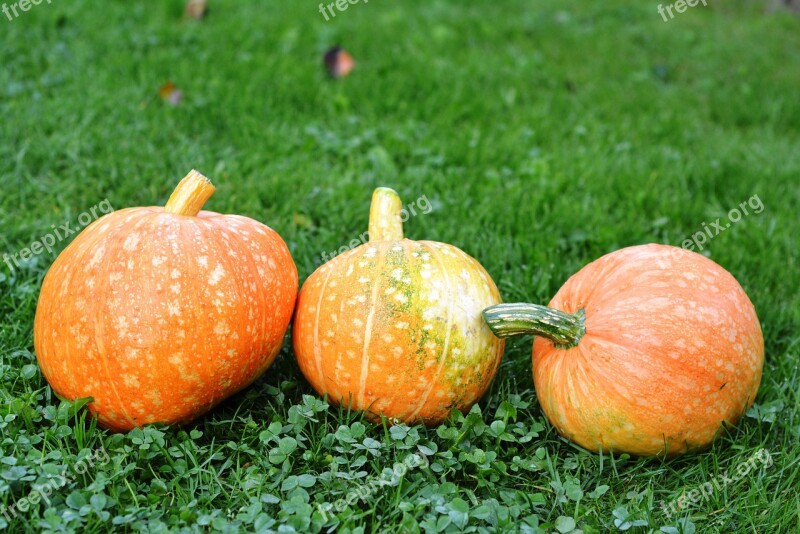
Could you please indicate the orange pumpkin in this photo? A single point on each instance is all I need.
(393, 327)
(158, 313)
(649, 350)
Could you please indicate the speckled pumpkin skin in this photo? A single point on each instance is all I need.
(673, 350)
(159, 317)
(394, 328)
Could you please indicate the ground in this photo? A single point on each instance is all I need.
(544, 135)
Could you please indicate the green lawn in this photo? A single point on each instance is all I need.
(545, 134)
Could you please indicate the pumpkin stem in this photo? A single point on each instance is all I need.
(564, 329)
(190, 195)
(385, 216)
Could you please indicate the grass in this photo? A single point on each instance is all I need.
(544, 134)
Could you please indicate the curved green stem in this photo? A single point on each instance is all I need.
(564, 329)
(385, 216)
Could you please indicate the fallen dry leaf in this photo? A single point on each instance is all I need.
(302, 221)
(196, 9)
(170, 94)
(338, 62)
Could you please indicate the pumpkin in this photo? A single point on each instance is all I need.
(393, 327)
(650, 350)
(159, 314)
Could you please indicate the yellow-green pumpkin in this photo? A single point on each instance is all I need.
(394, 327)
